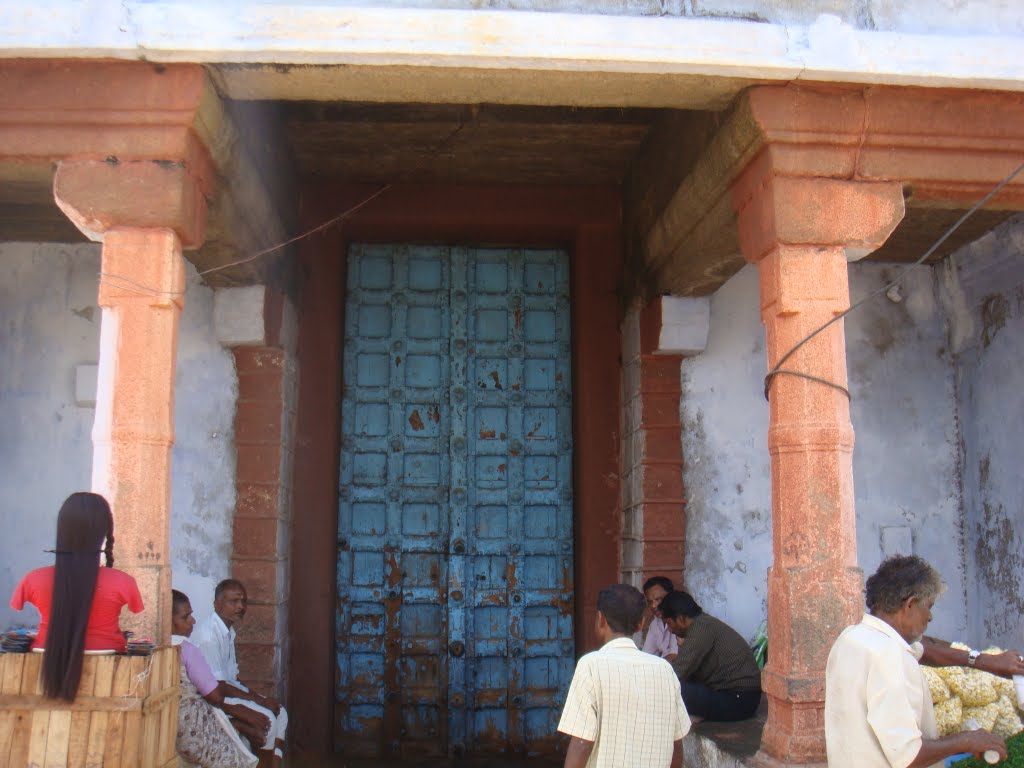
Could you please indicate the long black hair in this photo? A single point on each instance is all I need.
(83, 524)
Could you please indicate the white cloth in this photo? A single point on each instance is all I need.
(660, 639)
(217, 642)
(629, 704)
(878, 709)
(278, 722)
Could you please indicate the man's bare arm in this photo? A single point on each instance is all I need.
(677, 754)
(975, 742)
(578, 752)
(938, 653)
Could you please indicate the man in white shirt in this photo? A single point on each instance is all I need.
(878, 711)
(624, 708)
(660, 640)
(215, 637)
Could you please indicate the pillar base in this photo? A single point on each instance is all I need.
(764, 760)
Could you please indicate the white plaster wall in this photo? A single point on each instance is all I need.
(49, 323)
(903, 408)
(203, 469)
(725, 461)
(986, 280)
(905, 460)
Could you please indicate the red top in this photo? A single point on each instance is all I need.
(114, 590)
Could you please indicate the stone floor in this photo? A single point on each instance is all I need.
(496, 762)
(709, 745)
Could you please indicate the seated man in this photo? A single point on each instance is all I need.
(215, 637)
(657, 638)
(878, 711)
(719, 676)
(623, 709)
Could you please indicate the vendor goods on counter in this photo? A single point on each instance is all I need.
(17, 640)
(963, 694)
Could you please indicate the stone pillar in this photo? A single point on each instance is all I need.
(143, 212)
(655, 341)
(260, 327)
(800, 232)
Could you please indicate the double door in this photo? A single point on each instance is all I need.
(454, 620)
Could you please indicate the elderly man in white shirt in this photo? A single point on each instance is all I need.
(215, 637)
(660, 640)
(878, 711)
(624, 708)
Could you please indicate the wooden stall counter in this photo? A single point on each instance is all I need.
(124, 716)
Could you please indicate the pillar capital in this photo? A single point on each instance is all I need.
(102, 195)
(793, 206)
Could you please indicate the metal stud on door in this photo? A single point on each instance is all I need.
(454, 567)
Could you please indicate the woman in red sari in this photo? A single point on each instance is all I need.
(79, 603)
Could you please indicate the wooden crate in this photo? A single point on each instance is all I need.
(124, 716)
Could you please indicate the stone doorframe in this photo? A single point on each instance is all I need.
(586, 221)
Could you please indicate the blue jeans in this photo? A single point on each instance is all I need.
(721, 706)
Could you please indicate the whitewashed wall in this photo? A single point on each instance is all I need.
(49, 324)
(906, 460)
(985, 285)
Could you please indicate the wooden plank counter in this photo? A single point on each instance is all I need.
(124, 716)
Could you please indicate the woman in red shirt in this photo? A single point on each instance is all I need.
(79, 602)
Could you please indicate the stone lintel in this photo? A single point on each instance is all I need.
(945, 148)
(51, 110)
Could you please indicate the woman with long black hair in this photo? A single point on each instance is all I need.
(79, 603)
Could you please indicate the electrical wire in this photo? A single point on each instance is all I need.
(778, 370)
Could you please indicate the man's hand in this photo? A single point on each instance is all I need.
(1005, 664)
(249, 722)
(977, 742)
(939, 653)
(268, 701)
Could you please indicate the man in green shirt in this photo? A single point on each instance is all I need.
(719, 677)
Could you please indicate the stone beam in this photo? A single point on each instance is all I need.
(947, 148)
(134, 112)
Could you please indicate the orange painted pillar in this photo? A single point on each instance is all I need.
(142, 212)
(800, 231)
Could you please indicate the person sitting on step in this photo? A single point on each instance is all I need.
(79, 603)
(215, 637)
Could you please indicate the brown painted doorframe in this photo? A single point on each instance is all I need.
(585, 220)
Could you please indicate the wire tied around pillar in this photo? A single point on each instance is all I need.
(778, 370)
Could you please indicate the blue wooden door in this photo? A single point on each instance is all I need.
(454, 623)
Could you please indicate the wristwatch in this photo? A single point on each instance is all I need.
(972, 656)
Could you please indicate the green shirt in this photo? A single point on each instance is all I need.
(714, 654)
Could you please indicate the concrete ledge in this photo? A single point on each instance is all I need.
(725, 745)
(310, 33)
